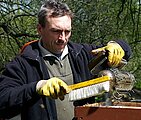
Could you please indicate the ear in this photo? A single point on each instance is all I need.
(39, 29)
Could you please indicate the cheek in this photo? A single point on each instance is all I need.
(44, 33)
(68, 36)
(49, 36)
(54, 37)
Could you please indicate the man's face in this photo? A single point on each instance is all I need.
(56, 33)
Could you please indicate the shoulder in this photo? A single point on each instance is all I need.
(33, 42)
(81, 46)
(30, 50)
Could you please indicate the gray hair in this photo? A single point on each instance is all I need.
(53, 8)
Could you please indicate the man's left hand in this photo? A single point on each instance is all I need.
(115, 53)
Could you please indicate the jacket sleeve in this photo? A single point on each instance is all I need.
(14, 90)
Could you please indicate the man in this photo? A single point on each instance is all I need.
(36, 82)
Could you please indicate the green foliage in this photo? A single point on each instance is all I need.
(17, 26)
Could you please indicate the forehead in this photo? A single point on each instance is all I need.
(63, 22)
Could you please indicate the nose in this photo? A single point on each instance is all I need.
(62, 35)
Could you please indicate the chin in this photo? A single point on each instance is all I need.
(60, 49)
(58, 52)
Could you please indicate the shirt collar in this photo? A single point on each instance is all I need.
(45, 52)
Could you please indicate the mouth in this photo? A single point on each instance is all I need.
(59, 46)
(60, 42)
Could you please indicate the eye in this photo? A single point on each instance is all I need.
(67, 32)
(60, 32)
(56, 31)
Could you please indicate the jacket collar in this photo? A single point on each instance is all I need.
(74, 48)
(32, 51)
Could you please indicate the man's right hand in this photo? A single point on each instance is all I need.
(53, 88)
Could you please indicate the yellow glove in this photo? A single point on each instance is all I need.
(115, 53)
(53, 88)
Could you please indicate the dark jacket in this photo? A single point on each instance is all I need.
(19, 79)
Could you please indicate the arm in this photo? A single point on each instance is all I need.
(15, 90)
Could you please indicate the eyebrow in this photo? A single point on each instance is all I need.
(56, 29)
